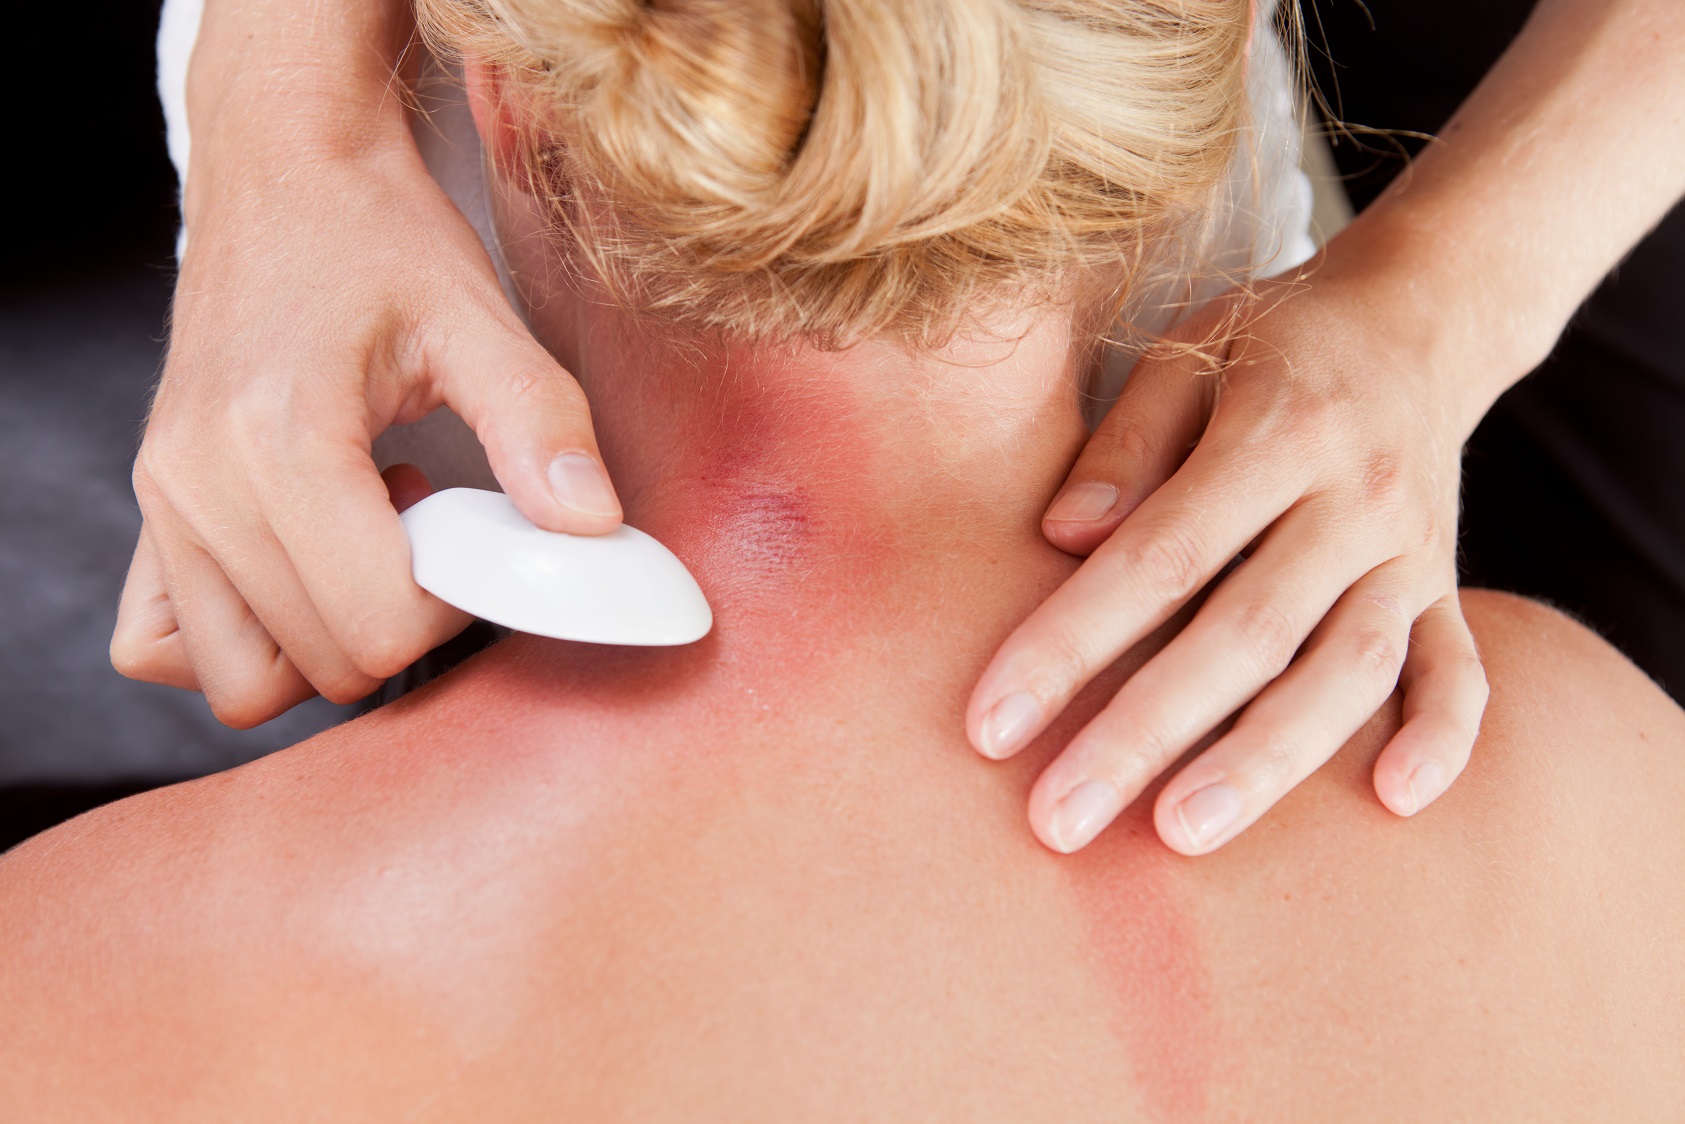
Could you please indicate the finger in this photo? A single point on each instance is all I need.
(1345, 674)
(341, 558)
(1161, 555)
(263, 575)
(533, 420)
(1445, 693)
(1241, 639)
(1141, 442)
(406, 486)
(246, 678)
(147, 642)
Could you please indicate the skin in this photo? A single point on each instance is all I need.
(1330, 439)
(764, 877)
(1326, 420)
(329, 290)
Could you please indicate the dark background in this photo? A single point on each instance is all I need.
(92, 136)
(83, 302)
(1572, 484)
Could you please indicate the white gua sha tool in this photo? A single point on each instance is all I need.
(474, 550)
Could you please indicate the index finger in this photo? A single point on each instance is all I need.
(333, 514)
(1154, 563)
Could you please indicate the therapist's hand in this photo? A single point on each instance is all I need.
(1329, 433)
(314, 310)
(1319, 433)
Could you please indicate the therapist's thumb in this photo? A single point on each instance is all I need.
(533, 420)
(1139, 445)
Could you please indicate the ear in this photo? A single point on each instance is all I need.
(495, 117)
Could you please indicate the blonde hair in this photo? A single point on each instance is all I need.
(837, 169)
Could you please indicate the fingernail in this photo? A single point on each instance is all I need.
(1083, 813)
(580, 483)
(1008, 724)
(1426, 783)
(1083, 503)
(1208, 813)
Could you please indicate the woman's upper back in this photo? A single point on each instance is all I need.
(518, 895)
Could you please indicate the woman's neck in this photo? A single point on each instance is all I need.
(786, 477)
(783, 474)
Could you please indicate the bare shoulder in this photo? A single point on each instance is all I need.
(1570, 723)
(387, 899)
(1565, 704)
(1517, 940)
(1519, 634)
(1576, 744)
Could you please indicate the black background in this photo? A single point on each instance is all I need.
(89, 266)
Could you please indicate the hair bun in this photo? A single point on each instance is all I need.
(694, 103)
(837, 167)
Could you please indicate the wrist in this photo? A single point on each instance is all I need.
(1470, 321)
(257, 144)
(272, 88)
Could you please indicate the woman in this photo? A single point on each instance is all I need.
(763, 876)
(255, 472)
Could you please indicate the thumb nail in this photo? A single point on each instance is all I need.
(580, 483)
(1084, 503)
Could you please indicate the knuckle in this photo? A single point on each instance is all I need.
(1390, 607)
(1384, 485)
(1145, 754)
(1119, 446)
(1170, 560)
(147, 476)
(524, 383)
(1295, 418)
(1302, 416)
(378, 652)
(1470, 667)
(347, 687)
(256, 416)
(241, 712)
(248, 683)
(241, 700)
(534, 382)
(1062, 660)
(1432, 536)
(131, 658)
(1268, 632)
(1275, 763)
(1377, 654)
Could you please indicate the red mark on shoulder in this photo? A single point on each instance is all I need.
(1148, 952)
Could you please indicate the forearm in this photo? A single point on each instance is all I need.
(1569, 151)
(275, 84)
